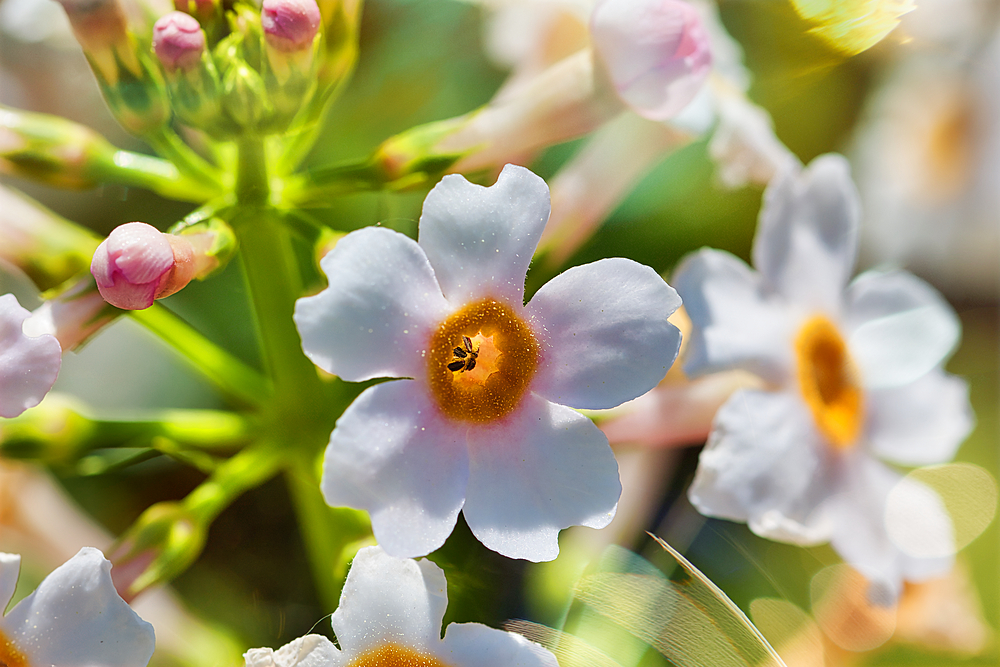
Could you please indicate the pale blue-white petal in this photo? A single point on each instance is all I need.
(899, 327)
(29, 365)
(921, 423)
(390, 600)
(480, 240)
(475, 645)
(75, 617)
(734, 323)
(307, 651)
(379, 311)
(542, 469)
(393, 455)
(766, 464)
(807, 235)
(10, 567)
(604, 333)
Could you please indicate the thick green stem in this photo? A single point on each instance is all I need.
(327, 532)
(235, 379)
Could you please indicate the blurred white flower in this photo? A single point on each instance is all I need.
(74, 617)
(854, 375)
(390, 613)
(483, 426)
(28, 364)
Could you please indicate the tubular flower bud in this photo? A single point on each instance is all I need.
(290, 25)
(102, 30)
(655, 52)
(178, 41)
(138, 264)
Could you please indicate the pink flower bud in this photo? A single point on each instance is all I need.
(290, 25)
(137, 264)
(178, 41)
(656, 53)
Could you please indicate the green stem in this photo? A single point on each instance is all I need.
(192, 165)
(235, 379)
(328, 533)
(160, 176)
(246, 470)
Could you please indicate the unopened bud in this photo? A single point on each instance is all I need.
(178, 41)
(138, 264)
(290, 25)
(655, 52)
(29, 365)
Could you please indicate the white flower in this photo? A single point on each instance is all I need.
(390, 613)
(482, 425)
(73, 618)
(854, 373)
(28, 364)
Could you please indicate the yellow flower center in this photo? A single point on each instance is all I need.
(9, 655)
(392, 655)
(829, 381)
(480, 362)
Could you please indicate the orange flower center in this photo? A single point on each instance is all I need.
(392, 655)
(9, 655)
(829, 381)
(480, 362)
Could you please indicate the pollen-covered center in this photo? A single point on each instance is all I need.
(10, 656)
(829, 381)
(393, 655)
(480, 362)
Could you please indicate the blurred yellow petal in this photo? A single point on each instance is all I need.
(852, 26)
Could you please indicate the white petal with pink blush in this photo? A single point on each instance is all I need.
(74, 617)
(490, 376)
(390, 613)
(29, 365)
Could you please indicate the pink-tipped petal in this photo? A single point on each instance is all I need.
(29, 365)
(289, 25)
(178, 41)
(656, 52)
(130, 265)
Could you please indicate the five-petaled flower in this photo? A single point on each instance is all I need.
(390, 613)
(74, 617)
(854, 373)
(492, 438)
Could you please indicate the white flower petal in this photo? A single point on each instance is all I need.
(28, 365)
(388, 599)
(480, 240)
(900, 327)
(10, 567)
(656, 52)
(307, 651)
(765, 464)
(807, 235)
(382, 305)
(75, 617)
(543, 469)
(475, 645)
(735, 325)
(920, 423)
(860, 533)
(605, 334)
(394, 456)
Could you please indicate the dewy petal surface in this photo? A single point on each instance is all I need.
(475, 645)
(765, 464)
(605, 333)
(544, 468)
(900, 327)
(376, 316)
(387, 599)
(921, 423)
(28, 365)
(480, 240)
(806, 239)
(75, 617)
(735, 325)
(307, 651)
(394, 456)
